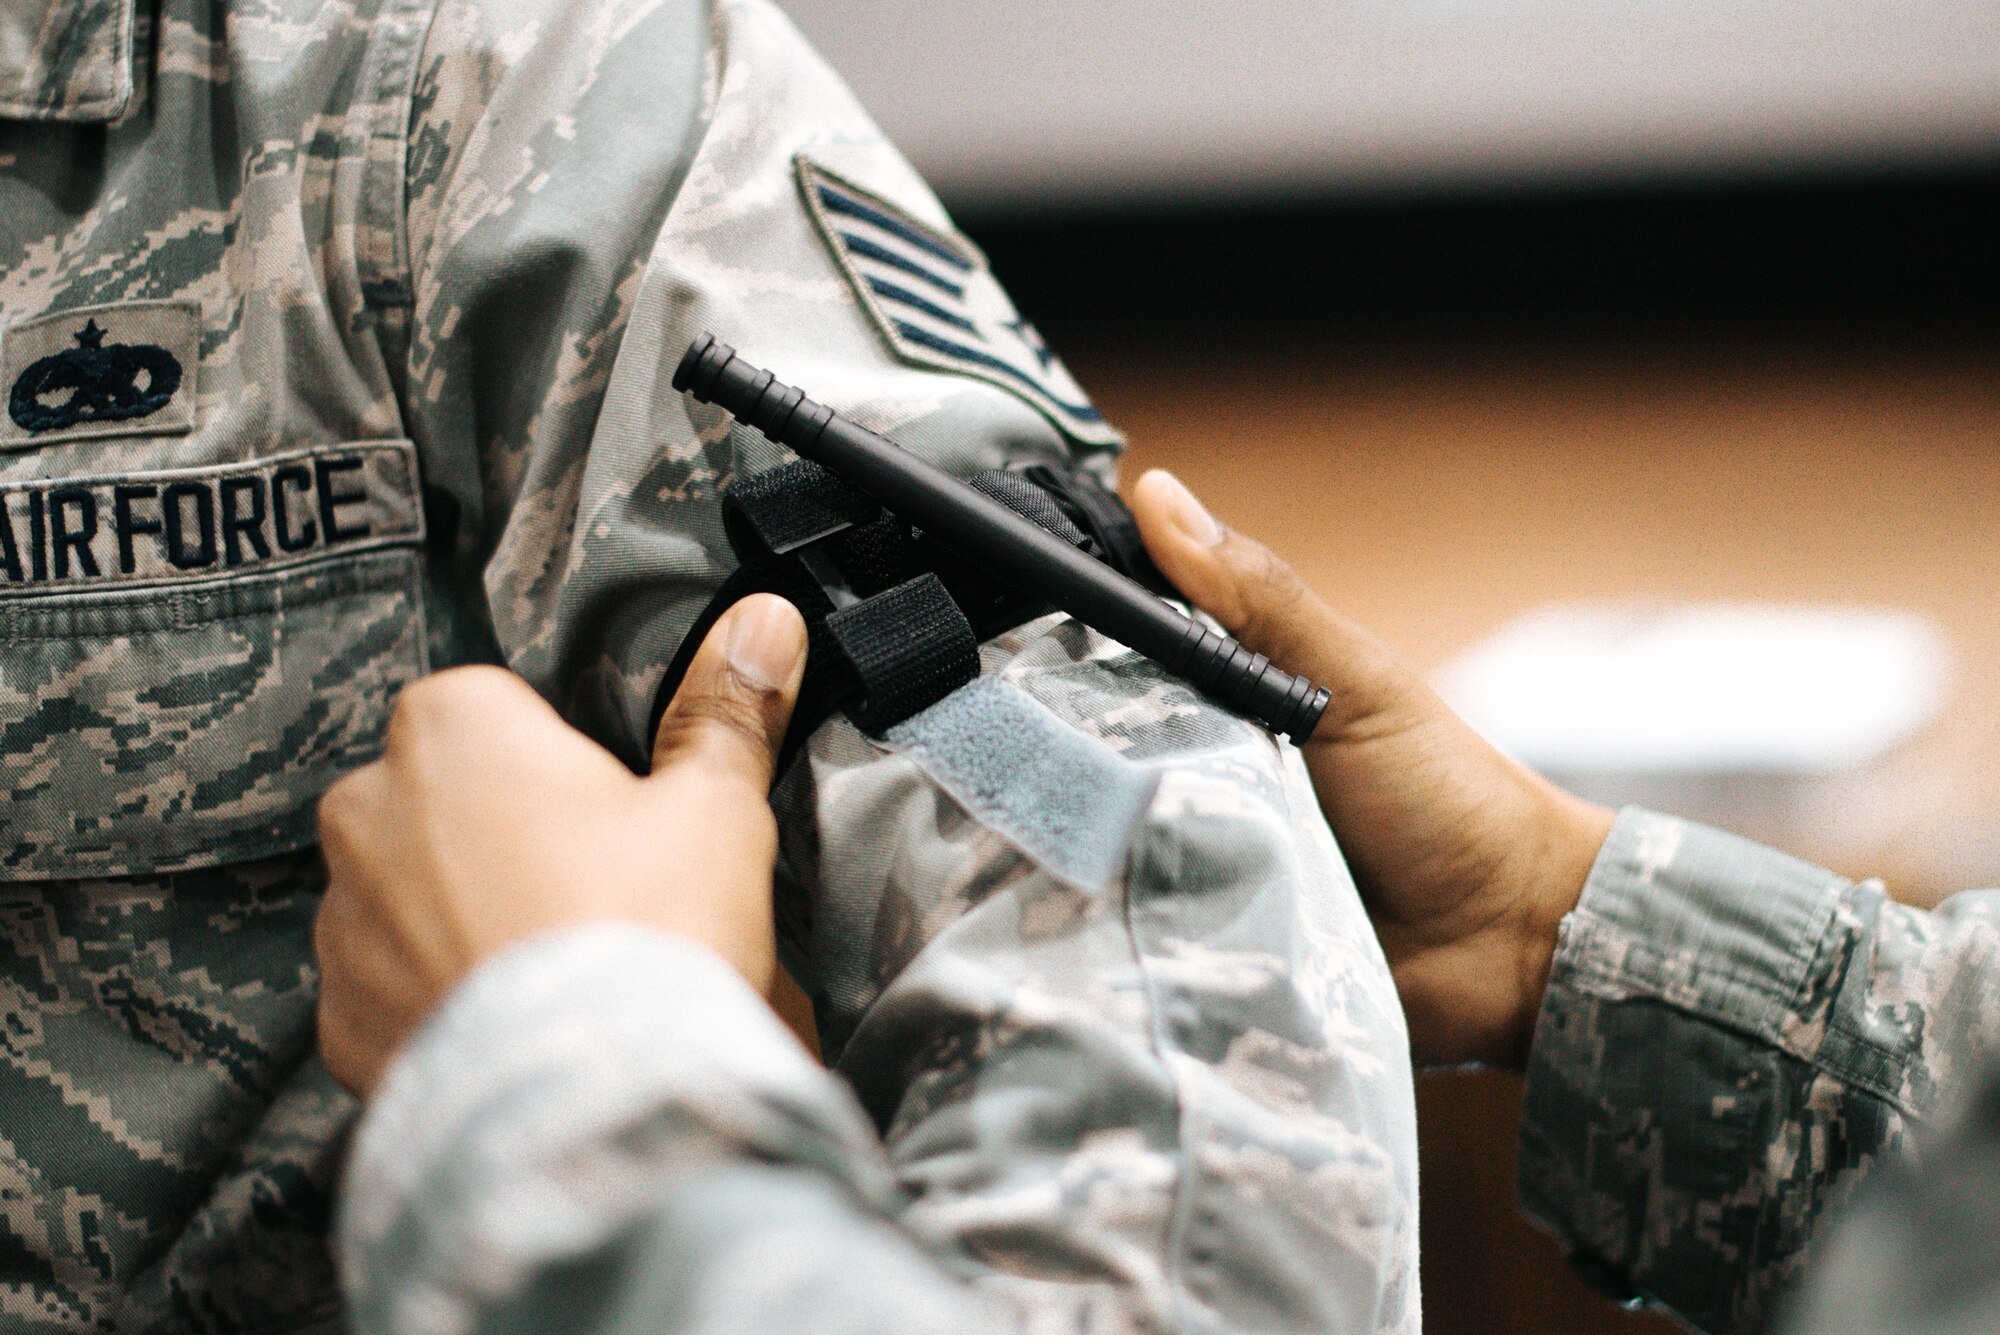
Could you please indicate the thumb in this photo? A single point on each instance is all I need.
(732, 707)
(1263, 602)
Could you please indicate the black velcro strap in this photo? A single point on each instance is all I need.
(875, 557)
(1098, 511)
(1018, 493)
(909, 647)
(789, 507)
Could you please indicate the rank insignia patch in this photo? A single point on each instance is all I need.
(116, 370)
(933, 297)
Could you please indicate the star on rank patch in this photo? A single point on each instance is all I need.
(933, 297)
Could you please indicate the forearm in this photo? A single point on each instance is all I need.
(607, 1131)
(1731, 1040)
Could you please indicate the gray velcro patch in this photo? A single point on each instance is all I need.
(1063, 798)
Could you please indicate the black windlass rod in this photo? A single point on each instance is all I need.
(988, 534)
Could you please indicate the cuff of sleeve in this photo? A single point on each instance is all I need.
(1685, 942)
(1723, 928)
(566, 1072)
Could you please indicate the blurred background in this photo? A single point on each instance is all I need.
(1674, 316)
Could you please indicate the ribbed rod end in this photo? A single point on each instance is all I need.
(700, 365)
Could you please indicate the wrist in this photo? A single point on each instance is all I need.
(1576, 834)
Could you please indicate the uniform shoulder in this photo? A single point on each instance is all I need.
(506, 89)
(555, 53)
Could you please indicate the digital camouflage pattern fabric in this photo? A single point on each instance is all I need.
(474, 238)
(198, 278)
(1920, 1249)
(1731, 1043)
(166, 1139)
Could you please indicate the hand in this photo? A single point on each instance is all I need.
(1467, 861)
(489, 820)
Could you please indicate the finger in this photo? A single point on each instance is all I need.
(339, 1049)
(459, 702)
(347, 811)
(340, 1052)
(1260, 599)
(732, 708)
(373, 993)
(349, 1049)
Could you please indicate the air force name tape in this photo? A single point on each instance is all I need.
(192, 523)
(935, 300)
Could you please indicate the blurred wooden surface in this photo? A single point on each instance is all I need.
(1434, 492)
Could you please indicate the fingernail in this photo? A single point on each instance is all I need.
(1190, 516)
(764, 643)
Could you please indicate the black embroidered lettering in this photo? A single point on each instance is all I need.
(38, 536)
(66, 540)
(330, 501)
(174, 513)
(247, 525)
(308, 534)
(196, 521)
(128, 525)
(10, 555)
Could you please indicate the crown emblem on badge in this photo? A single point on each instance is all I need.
(94, 381)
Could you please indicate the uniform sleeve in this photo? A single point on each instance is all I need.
(1080, 944)
(1920, 1248)
(591, 185)
(606, 1131)
(1732, 1041)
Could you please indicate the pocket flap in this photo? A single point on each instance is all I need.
(66, 60)
(176, 701)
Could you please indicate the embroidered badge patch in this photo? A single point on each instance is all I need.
(936, 301)
(116, 370)
(193, 523)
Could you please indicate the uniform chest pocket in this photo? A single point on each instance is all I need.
(189, 658)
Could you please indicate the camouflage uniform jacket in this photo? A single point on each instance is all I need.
(1734, 1041)
(336, 339)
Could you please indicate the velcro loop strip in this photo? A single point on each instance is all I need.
(791, 507)
(910, 647)
(1062, 797)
